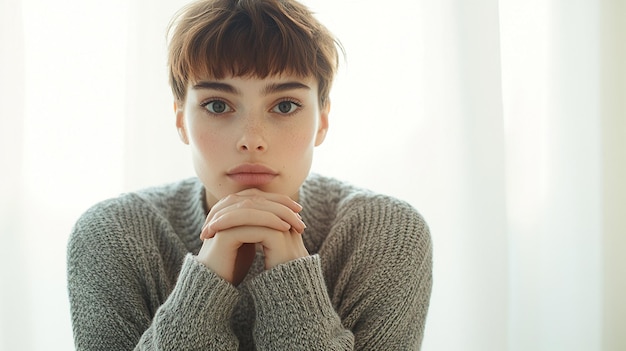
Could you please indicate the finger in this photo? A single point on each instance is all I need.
(279, 247)
(275, 208)
(266, 213)
(283, 248)
(279, 198)
(254, 195)
(222, 204)
(245, 217)
(238, 236)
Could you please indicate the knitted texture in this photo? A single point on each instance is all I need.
(134, 282)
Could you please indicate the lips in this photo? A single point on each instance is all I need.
(251, 174)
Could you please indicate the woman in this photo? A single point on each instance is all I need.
(255, 252)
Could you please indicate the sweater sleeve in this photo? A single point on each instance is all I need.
(111, 283)
(189, 318)
(368, 288)
(381, 272)
(294, 311)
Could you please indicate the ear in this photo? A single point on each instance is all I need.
(322, 128)
(180, 122)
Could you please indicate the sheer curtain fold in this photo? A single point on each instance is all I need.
(613, 102)
(463, 94)
(502, 121)
(552, 112)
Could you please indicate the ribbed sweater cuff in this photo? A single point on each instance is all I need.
(294, 292)
(205, 295)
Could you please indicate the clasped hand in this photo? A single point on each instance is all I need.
(239, 221)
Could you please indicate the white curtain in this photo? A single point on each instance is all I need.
(502, 122)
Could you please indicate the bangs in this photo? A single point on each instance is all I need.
(255, 49)
(250, 38)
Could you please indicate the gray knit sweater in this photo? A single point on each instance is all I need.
(135, 284)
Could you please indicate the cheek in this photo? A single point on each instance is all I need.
(298, 148)
(206, 140)
(299, 141)
(204, 136)
(207, 146)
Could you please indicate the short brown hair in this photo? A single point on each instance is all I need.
(220, 38)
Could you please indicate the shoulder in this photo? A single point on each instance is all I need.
(385, 223)
(158, 200)
(173, 196)
(377, 246)
(365, 216)
(124, 217)
(345, 200)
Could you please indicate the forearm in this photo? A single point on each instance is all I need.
(294, 311)
(109, 314)
(196, 315)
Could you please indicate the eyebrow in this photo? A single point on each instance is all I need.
(269, 89)
(223, 87)
(280, 87)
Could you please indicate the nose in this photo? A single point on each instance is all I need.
(252, 138)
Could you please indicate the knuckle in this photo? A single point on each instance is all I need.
(258, 199)
(230, 197)
(250, 191)
(246, 203)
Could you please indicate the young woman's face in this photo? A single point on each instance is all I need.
(252, 133)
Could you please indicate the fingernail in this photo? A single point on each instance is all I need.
(203, 231)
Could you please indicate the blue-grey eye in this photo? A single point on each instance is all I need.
(286, 107)
(217, 106)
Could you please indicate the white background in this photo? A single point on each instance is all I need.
(502, 122)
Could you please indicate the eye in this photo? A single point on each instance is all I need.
(286, 107)
(217, 107)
